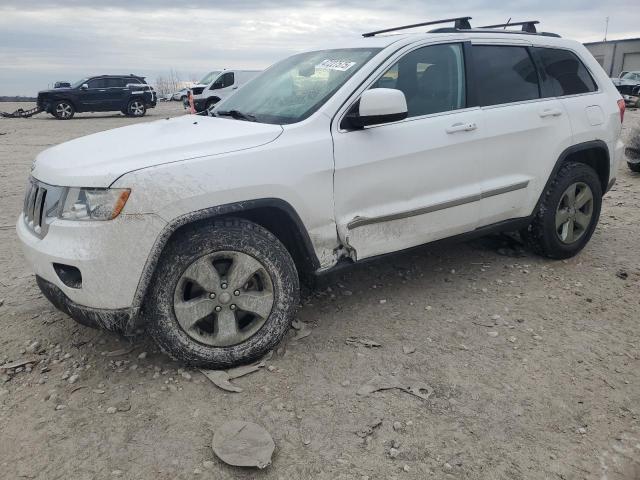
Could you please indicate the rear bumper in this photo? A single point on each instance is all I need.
(115, 320)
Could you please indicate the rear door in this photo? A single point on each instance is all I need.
(116, 93)
(406, 183)
(525, 133)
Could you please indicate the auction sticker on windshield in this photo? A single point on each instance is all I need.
(340, 65)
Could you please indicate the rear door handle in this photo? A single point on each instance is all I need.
(462, 127)
(550, 112)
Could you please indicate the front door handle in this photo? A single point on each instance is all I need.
(550, 112)
(462, 127)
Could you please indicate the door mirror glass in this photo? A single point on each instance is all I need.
(380, 105)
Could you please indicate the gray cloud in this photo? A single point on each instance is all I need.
(48, 40)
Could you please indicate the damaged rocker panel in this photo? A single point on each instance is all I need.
(361, 221)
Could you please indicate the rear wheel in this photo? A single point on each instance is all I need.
(136, 108)
(568, 213)
(63, 110)
(223, 294)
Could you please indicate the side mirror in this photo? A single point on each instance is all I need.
(84, 86)
(379, 105)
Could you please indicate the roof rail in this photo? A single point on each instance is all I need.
(529, 26)
(460, 23)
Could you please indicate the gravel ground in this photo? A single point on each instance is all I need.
(532, 364)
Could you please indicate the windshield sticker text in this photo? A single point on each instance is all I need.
(340, 65)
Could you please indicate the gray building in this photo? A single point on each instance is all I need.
(617, 56)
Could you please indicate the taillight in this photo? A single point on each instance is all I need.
(622, 107)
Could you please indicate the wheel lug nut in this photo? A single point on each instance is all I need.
(224, 285)
(232, 307)
(236, 293)
(212, 296)
(218, 308)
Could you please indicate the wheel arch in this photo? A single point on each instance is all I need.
(594, 153)
(274, 214)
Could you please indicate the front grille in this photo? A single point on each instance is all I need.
(41, 203)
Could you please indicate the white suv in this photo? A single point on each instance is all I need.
(199, 228)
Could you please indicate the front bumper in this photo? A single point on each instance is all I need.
(110, 256)
(116, 320)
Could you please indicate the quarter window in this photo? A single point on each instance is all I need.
(431, 78)
(504, 74)
(564, 73)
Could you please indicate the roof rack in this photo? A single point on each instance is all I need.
(460, 23)
(529, 26)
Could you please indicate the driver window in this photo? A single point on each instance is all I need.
(431, 78)
(224, 81)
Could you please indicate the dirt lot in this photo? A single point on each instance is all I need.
(534, 364)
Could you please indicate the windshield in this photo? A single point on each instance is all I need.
(294, 88)
(209, 77)
(631, 76)
(79, 83)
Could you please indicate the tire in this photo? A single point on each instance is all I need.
(634, 167)
(136, 108)
(63, 110)
(206, 343)
(543, 236)
(183, 98)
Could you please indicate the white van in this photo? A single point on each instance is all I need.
(218, 85)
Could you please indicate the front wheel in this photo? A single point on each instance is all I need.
(136, 108)
(568, 213)
(223, 294)
(63, 110)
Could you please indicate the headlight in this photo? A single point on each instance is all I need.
(94, 203)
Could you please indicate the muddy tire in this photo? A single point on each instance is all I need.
(568, 213)
(63, 110)
(222, 295)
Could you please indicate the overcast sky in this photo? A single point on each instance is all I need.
(42, 41)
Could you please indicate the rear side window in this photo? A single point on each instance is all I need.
(504, 74)
(115, 82)
(564, 73)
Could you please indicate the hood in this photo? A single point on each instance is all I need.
(98, 160)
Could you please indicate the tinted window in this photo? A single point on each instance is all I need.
(564, 73)
(115, 82)
(431, 78)
(97, 83)
(504, 75)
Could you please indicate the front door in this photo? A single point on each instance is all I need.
(406, 183)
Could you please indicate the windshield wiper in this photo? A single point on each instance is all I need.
(237, 114)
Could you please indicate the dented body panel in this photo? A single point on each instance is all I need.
(354, 192)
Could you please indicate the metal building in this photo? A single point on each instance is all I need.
(617, 56)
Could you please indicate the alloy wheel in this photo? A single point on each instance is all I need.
(63, 110)
(224, 298)
(136, 108)
(574, 212)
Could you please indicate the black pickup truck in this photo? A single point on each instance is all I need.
(128, 94)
